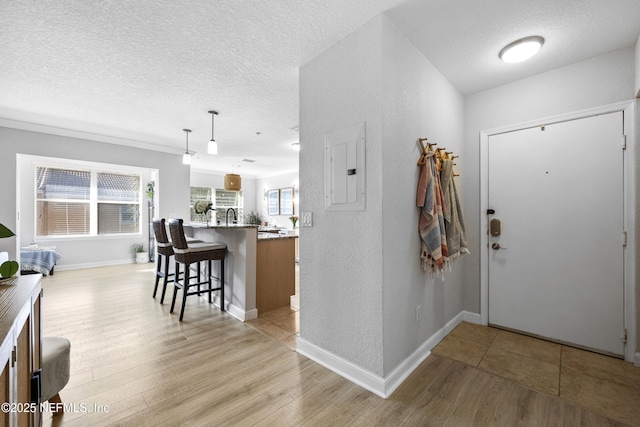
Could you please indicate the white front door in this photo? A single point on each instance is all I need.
(556, 267)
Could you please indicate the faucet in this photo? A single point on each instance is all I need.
(235, 216)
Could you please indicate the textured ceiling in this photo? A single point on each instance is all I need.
(143, 70)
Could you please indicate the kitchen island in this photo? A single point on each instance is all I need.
(240, 264)
(259, 267)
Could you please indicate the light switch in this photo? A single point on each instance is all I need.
(307, 219)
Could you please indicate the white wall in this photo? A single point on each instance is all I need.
(341, 255)
(172, 188)
(417, 102)
(591, 83)
(637, 55)
(273, 183)
(360, 272)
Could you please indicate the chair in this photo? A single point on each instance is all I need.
(187, 254)
(55, 369)
(165, 252)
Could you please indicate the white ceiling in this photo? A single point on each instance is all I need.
(142, 70)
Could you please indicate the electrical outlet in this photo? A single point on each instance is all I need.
(418, 313)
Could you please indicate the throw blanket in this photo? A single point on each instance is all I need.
(40, 260)
(454, 223)
(431, 224)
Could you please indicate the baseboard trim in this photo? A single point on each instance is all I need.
(65, 267)
(636, 360)
(239, 313)
(363, 377)
(376, 384)
(471, 317)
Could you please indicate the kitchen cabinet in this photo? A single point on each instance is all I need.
(275, 272)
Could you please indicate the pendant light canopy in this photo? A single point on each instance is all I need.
(212, 148)
(186, 157)
(232, 182)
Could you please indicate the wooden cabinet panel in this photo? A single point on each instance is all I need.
(20, 335)
(275, 273)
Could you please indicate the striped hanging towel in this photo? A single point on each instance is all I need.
(431, 222)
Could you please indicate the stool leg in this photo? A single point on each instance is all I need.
(185, 290)
(209, 279)
(155, 288)
(175, 286)
(222, 284)
(166, 277)
(198, 278)
(56, 404)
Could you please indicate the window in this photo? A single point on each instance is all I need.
(223, 201)
(199, 194)
(85, 202)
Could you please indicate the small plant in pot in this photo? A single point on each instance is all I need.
(142, 256)
(8, 268)
(253, 218)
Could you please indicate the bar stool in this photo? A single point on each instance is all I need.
(187, 254)
(165, 252)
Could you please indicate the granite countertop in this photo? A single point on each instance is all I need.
(269, 236)
(223, 226)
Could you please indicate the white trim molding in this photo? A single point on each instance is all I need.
(381, 386)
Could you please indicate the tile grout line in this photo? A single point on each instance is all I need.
(487, 349)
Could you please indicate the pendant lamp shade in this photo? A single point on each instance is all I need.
(186, 157)
(232, 182)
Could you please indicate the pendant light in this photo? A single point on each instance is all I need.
(232, 182)
(212, 148)
(186, 157)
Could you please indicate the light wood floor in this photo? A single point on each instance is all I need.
(128, 354)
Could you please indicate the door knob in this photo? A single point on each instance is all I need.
(496, 246)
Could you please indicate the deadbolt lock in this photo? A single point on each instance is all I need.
(495, 227)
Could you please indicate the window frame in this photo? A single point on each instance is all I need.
(94, 169)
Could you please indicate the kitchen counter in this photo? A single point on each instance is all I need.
(223, 226)
(269, 236)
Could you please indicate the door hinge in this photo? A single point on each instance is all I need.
(624, 336)
(624, 238)
(14, 356)
(623, 142)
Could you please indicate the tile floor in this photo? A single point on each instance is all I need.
(602, 384)
(282, 324)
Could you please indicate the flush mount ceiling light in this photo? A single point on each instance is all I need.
(212, 148)
(186, 157)
(521, 50)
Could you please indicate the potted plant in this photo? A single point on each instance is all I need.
(253, 218)
(8, 268)
(141, 255)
